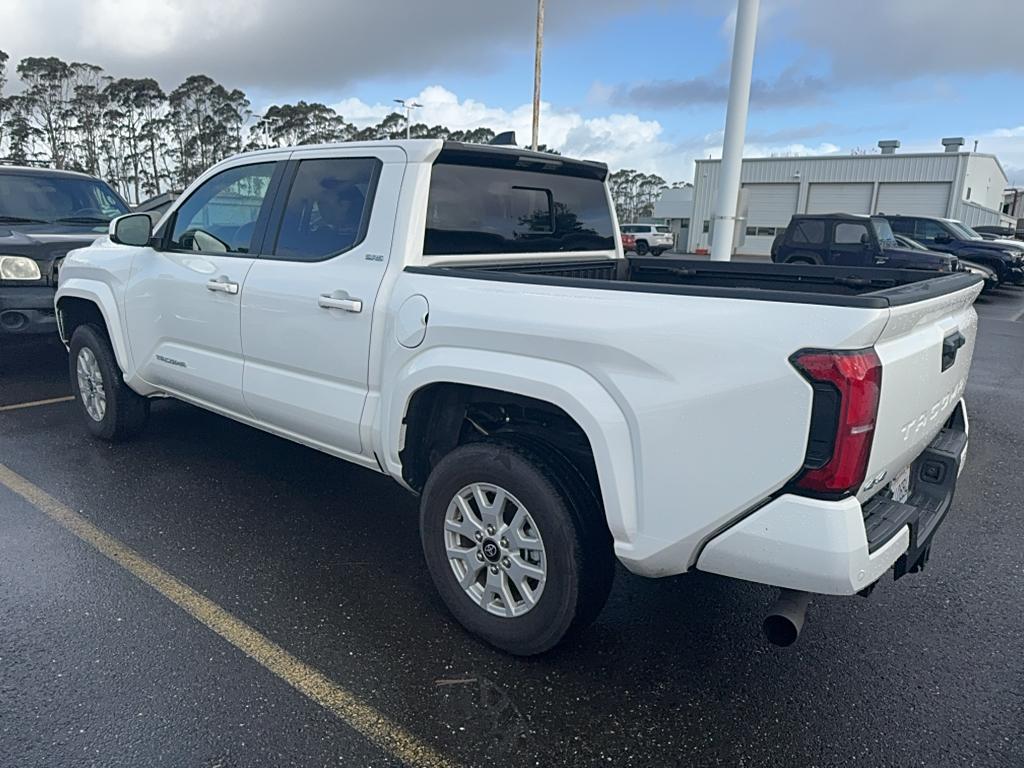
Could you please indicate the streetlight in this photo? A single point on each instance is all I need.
(536, 73)
(409, 106)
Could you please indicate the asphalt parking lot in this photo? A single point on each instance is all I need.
(117, 646)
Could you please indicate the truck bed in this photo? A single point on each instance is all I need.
(866, 287)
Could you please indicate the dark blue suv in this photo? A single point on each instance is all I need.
(950, 236)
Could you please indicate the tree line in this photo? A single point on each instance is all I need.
(144, 140)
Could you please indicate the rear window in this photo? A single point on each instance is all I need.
(474, 209)
(808, 232)
(663, 230)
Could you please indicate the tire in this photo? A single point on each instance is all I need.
(642, 248)
(111, 410)
(563, 516)
(801, 260)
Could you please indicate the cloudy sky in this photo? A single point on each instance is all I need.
(638, 83)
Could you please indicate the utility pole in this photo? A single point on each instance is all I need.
(735, 130)
(536, 74)
(409, 106)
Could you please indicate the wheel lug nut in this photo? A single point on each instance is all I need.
(490, 530)
(506, 562)
(494, 569)
(504, 543)
(479, 536)
(480, 556)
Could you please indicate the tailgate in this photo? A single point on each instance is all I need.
(925, 351)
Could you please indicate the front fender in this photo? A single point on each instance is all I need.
(568, 387)
(100, 295)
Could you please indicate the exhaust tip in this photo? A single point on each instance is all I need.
(780, 631)
(784, 621)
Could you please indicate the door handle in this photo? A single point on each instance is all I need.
(950, 346)
(222, 285)
(330, 302)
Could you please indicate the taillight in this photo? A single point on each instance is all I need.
(846, 388)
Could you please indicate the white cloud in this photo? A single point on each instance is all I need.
(620, 140)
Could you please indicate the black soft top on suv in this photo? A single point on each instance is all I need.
(44, 213)
(952, 237)
(851, 240)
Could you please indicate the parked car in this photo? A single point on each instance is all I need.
(555, 405)
(952, 237)
(157, 205)
(986, 274)
(993, 232)
(650, 238)
(43, 214)
(846, 239)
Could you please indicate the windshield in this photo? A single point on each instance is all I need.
(884, 233)
(29, 198)
(964, 231)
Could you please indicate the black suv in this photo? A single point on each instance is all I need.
(44, 214)
(851, 240)
(950, 236)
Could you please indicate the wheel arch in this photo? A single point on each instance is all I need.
(80, 302)
(432, 395)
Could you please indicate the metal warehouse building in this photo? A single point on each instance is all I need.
(959, 185)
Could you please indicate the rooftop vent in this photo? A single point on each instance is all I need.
(953, 144)
(889, 146)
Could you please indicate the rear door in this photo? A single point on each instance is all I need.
(307, 303)
(925, 351)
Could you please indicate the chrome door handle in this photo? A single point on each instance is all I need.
(223, 286)
(330, 302)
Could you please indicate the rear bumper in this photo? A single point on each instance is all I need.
(841, 547)
(27, 311)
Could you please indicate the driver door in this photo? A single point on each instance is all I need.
(183, 299)
(851, 245)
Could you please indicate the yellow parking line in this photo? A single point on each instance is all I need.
(344, 704)
(34, 403)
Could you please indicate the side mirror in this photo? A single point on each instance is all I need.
(131, 229)
(865, 240)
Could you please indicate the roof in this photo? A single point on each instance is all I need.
(426, 150)
(851, 216)
(28, 170)
(871, 156)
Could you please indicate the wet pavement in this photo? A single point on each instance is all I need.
(323, 559)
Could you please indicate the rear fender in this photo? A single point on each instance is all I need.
(568, 387)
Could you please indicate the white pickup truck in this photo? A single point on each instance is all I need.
(461, 318)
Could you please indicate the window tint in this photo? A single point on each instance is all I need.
(847, 233)
(663, 230)
(927, 230)
(52, 197)
(220, 216)
(809, 232)
(627, 228)
(328, 208)
(479, 209)
(903, 226)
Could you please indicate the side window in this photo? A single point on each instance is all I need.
(849, 234)
(809, 232)
(902, 226)
(927, 231)
(328, 208)
(220, 216)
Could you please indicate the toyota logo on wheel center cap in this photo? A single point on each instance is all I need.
(490, 550)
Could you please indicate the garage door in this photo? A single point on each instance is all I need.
(839, 198)
(919, 199)
(769, 209)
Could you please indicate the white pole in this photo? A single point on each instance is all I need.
(735, 130)
(536, 74)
